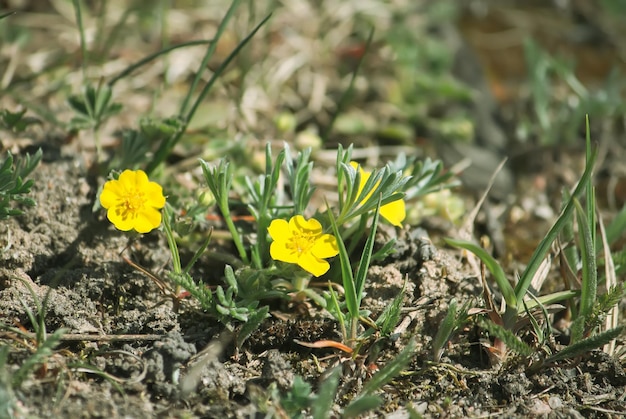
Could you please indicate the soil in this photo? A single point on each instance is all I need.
(129, 352)
(64, 252)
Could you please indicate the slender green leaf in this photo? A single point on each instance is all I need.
(544, 246)
(209, 53)
(509, 338)
(445, 330)
(346, 270)
(548, 299)
(2, 16)
(81, 32)
(586, 345)
(389, 318)
(325, 399)
(590, 274)
(361, 405)
(366, 256)
(44, 350)
(492, 265)
(391, 370)
(134, 66)
(221, 69)
(252, 324)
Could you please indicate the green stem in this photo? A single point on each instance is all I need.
(354, 327)
(171, 242)
(207, 56)
(233, 230)
(81, 32)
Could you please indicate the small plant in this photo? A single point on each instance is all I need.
(519, 302)
(93, 107)
(13, 184)
(40, 343)
(301, 399)
(16, 121)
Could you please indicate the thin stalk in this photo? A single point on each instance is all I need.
(81, 32)
(221, 68)
(128, 70)
(233, 231)
(171, 242)
(544, 247)
(209, 53)
(167, 146)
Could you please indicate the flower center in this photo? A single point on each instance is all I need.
(301, 242)
(130, 205)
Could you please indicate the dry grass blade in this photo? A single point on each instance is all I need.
(541, 275)
(612, 317)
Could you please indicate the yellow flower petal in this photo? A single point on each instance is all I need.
(109, 196)
(146, 220)
(154, 195)
(280, 251)
(116, 217)
(128, 178)
(141, 178)
(279, 230)
(394, 212)
(298, 223)
(315, 266)
(325, 247)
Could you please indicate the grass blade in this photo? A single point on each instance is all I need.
(222, 67)
(44, 350)
(445, 331)
(326, 396)
(612, 316)
(494, 267)
(207, 56)
(589, 275)
(346, 270)
(366, 256)
(81, 32)
(254, 321)
(583, 346)
(391, 370)
(547, 300)
(361, 405)
(544, 246)
(128, 70)
(167, 146)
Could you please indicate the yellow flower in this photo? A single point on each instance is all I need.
(394, 212)
(301, 242)
(133, 202)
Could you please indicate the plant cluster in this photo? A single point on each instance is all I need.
(588, 301)
(291, 247)
(14, 185)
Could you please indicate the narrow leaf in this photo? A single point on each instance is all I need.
(544, 246)
(492, 265)
(586, 345)
(346, 270)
